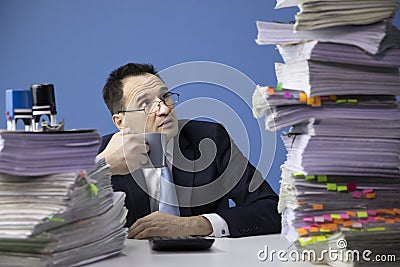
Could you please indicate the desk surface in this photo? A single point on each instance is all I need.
(225, 252)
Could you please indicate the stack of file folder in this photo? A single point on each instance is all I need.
(64, 212)
(337, 91)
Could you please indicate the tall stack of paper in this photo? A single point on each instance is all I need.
(337, 89)
(57, 218)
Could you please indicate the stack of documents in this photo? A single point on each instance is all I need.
(57, 218)
(41, 153)
(315, 14)
(337, 92)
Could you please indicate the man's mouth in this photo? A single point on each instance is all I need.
(166, 123)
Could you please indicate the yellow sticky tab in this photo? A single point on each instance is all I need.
(317, 102)
(303, 97)
(332, 97)
(93, 190)
(331, 187)
(352, 101)
(342, 188)
(322, 178)
(310, 177)
(297, 174)
(304, 241)
(335, 216)
(340, 101)
(376, 229)
(322, 230)
(362, 214)
(54, 219)
(320, 238)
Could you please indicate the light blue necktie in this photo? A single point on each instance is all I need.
(168, 198)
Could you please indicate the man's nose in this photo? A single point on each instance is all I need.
(163, 108)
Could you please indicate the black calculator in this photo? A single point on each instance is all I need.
(181, 243)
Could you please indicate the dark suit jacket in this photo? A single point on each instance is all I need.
(231, 173)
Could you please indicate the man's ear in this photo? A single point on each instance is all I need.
(118, 120)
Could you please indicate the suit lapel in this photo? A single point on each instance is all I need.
(140, 199)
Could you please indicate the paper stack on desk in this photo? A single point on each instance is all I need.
(337, 89)
(58, 218)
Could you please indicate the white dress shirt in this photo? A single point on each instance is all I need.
(152, 178)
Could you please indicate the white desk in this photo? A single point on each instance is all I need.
(224, 252)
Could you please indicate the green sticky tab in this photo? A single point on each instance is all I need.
(335, 216)
(55, 219)
(307, 240)
(297, 174)
(342, 188)
(331, 187)
(362, 214)
(322, 178)
(93, 190)
(320, 238)
(322, 230)
(310, 177)
(341, 101)
(279, 86)
(374, 229)
(352, 101)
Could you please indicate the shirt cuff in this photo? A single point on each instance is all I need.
(219, 225)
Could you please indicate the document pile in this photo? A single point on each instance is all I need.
(337, 89)
(58, 214)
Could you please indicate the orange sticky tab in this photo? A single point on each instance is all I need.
(302, 231)
(302, 97)
(371, 195)
(380, 219)
(338, 221)
(389, 221)
(310, 101)
(314, 229)
(380, 211)
(329, 226)
(332, 97)
(397, 211)
(347, 223)
(318, 207)
(352, 214)
(397, 219)
(301, 203)
(317, 102)
(270, 90)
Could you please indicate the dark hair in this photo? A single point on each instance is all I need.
(112, 90)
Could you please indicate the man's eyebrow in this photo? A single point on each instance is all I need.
(163, 89)
(141, 97)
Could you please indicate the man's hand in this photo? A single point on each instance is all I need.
(166, 225)
(125, 152)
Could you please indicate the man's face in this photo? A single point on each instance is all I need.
(142, 90)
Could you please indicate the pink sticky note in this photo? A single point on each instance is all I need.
(287, 95)
(371, 219)
(371, 212)
(363, 221)
(344, 216)
(327, 217)
(351, 187)
(308, 219)
(324, 98)
(356, 194)
(366, 191)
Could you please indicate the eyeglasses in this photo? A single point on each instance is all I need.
(169, 99)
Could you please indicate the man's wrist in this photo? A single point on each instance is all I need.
(199, 226)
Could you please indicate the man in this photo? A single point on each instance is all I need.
(206, 167)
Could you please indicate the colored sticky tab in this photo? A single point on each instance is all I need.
(279, 87)
(351, 187)
(344, 216)
(320, 238)
(397, 211)
(327, 217)
(389, 221)
(362, 214)
(366, 191)
(308, 219)
(352, 214)
(319, 219)
(371, 219)
(347, 223)
(332, 97)
(371, 212)
(340, 101)
(357, 225)
(317, 102)
(93, 190)
(307, 227)
(370, 195)
(352, 100)
(54, 219)
(297, 174)
(270, 90)
(303, 97)
(335, 216)
(356, 194)
(314, 229)
(322, 178)
(318, 207)
(374, 229)
(331, 187)
(302, 231)
(287, 95)
(304, 241)
(323, 230)
(324, 98)
(342, 188)
(310, 177)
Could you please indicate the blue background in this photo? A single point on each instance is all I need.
(75, 44)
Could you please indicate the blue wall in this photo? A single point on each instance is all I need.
(75, 44)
